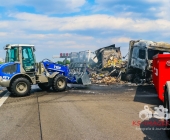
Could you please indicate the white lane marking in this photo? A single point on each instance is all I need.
(4, 98)
(151, 95)
(83, 91)
(130, 89)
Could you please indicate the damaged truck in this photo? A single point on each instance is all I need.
(140, 55)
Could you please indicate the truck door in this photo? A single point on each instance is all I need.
(138, 58)
(133, 60)
(142, 59)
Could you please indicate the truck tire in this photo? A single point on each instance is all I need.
(44, 86)
(129, 77)
(166, 105)
(20, 87)
(59, 83)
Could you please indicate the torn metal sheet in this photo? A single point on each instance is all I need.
(79, 62)
(162, 46)
(87, 57)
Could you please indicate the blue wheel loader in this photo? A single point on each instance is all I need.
(20, 71)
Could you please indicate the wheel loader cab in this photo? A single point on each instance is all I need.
(28, 60)
(22, 54)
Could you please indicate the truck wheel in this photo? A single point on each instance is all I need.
(167, 120)
(59, 83)
(129, 77)
(20, 87)
(44, 86)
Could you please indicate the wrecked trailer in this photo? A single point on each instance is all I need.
(109, 58)
(140, 55)
(109, 65)
(101, 64)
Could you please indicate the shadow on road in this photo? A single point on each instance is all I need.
(147, 94)
(154, 129)
(3, 93)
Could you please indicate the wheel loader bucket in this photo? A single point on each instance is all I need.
(83, 79)
(79, 71)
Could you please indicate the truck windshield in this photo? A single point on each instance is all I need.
(12, 55)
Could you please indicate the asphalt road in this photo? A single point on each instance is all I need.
(86, 113)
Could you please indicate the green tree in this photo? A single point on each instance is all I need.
(67, 62)
(1, 62)
(64, 62)
(60, 62)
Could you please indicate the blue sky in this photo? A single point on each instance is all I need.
(55, 26)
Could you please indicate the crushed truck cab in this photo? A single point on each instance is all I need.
(20, 71)
(140, 57)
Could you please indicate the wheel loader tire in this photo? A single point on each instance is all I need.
(59, 83)
(20, 87)
(9, 89)
(44, 86)
(166, 105)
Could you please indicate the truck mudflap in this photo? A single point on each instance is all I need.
(168, 93)
(167, 106)
(79, 71)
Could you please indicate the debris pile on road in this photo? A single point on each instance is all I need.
(105, 78)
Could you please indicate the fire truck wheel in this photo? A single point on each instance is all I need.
(59, 83)
(167, 120)
(44, 86)
(20, 87)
